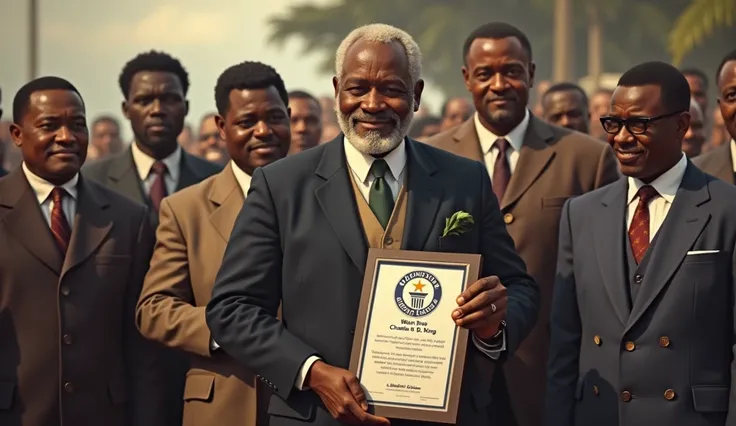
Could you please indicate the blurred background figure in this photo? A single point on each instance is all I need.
(454, 112)
(330, 129)
(539, 91)
(211, 146)
(719, 133)
(600, 104)
(424, 127)
(105, 137)
(692, 144)
(566, 105)
(306, 121)
(187, 141)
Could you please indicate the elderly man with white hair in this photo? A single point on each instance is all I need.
(302, 238)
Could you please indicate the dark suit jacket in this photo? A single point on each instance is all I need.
(69, 348)
(554, 164)
(299, 240)
(119, 173)
(679, 333)
(3, 172)
(717, 163)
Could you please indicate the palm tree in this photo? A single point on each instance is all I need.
(698, 21)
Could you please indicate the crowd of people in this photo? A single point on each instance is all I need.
(213, 276)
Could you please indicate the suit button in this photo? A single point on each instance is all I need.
(68, 387)
(352, 331)
(630, 346)
(389, 241)
(67, 339)
(508, 218)
(638, 278)
(669, 395)
(664, 342)
(595, 390)
(65, 291)
(597, 340)
(626, 396)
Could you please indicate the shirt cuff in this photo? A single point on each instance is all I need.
(302, 376)
(213, 345)
(492, 349)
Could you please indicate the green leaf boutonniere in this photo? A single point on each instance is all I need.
(459, 223)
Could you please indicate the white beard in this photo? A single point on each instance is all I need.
(373, 143)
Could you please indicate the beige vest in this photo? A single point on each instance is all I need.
(377, 237)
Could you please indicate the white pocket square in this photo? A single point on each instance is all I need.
(696, 252)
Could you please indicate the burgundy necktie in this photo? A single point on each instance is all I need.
(158, 188)
(59, 225)
(501, 169)
(639, 228)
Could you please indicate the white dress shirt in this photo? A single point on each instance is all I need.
(241, 177)
(488, 146)
(144, 164)
(733, 155)
(360, 166)
(666, 185)
(43, 189)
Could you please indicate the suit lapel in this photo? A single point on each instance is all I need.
(467, 143)
(337, 200)
(609, 247)
(424, 193)
(92, 223)
(24, 219)
(227, 197)
(534, 156)
(124, 179)
(725, 170)
(684, 223)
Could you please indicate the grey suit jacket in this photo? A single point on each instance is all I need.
(717, 163)
(672, 351)
(298, 240)
(119, 173)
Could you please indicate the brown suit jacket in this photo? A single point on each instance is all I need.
(554, 164)
(69, 349)
(717, 163)
(194, 228)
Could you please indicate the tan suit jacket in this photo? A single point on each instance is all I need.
(194, 228)
(554, 164)
(717, 163)
(69, 350)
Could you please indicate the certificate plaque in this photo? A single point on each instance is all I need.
(407, 351)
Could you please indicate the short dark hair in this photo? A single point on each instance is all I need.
(675, 91)
(697, 73)
(105, 119)
(152, 61)
(247, 75)
(418, 125)
(301, 94)
(443, 109)
(23, 97)
(730, 56)
(497, 30)
(566, 87)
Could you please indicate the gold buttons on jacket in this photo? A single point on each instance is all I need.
(626, 396)
(68, 387)
(664, 342)
(389, 241)
(597, 340)
(669, 394)
(508, 218)
(65, 290)
(67, 339)
(630, 346)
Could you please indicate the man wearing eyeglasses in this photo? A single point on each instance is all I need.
(642, 328)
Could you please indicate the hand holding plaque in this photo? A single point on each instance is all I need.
(482, 307)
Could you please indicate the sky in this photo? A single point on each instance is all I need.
(89, 41)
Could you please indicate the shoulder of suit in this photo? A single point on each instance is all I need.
(117, 201)
(715, 154)
(208, 168)
(576, 142)
(442, 137)
(191, 194)
(99, 168)
(295, 165)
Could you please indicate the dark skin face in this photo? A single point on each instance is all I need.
(255, 128)
(156, 108)
(306, 124)
(376, 81)
(567, 109)
(498, 74)
(727, 96)
(53, 135)
(648, 155)
(106, 137)
(211, 146)
(458, 110)
(692, 145)
(697, 90)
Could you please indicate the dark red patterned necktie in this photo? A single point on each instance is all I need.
(639, 229)
(59, 225)
(158, 188)
(501, 170)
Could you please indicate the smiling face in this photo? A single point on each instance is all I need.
(646, 156)
(53, 135)
(376, 99)
(727, 96)
(255, 128)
